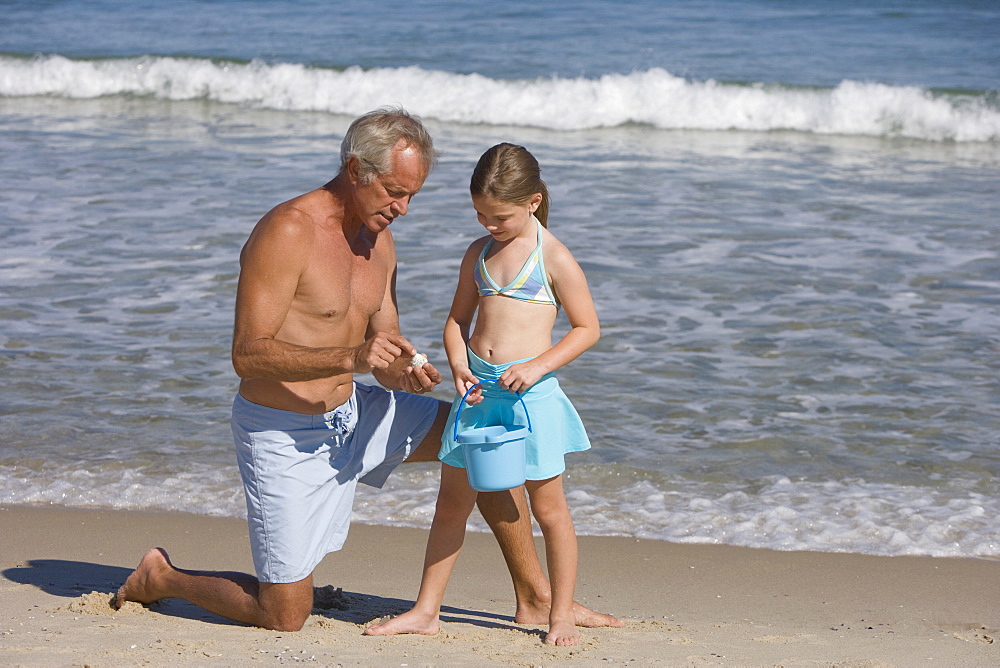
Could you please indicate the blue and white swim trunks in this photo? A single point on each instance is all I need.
(300, 472)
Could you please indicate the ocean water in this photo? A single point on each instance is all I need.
(788, 213)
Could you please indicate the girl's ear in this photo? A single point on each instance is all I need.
(534, 202)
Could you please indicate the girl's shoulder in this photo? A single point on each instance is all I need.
(554, 250)
(478, 245)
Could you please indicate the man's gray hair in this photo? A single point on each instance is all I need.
(372, 137)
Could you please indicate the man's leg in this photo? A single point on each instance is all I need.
(509, 519)
(236, 596)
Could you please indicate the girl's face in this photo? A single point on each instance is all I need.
(506, 220)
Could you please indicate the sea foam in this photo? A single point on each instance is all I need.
(854, 515)
(653, 97)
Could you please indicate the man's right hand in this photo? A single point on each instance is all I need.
(380, 350)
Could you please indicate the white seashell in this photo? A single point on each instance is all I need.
(418, 360)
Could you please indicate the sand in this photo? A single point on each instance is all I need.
(683, 605)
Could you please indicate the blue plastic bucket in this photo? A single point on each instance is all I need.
(494, 455)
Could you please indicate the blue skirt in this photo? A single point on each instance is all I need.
(556, 427)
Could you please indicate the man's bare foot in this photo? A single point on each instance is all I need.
(408, 622)
(143, 585)
(585, 617)
(562, 634)
(590, 619)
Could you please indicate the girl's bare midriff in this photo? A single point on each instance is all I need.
(508, 330)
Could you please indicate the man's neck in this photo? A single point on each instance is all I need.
(359, 238)
(339, 189)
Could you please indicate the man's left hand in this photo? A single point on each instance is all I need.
(420, 379)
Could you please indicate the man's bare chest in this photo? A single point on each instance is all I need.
(348, 288)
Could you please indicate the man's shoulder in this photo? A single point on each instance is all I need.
(298, 216)
(286, 222)
(285, 230)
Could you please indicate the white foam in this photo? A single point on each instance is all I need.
(834, 516)
(209, 493)
(851, 515)
(653, 97)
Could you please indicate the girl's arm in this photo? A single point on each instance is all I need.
(458, 326)
(570, 285)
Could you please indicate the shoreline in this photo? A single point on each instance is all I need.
(683, 604)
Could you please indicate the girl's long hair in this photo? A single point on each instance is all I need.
(509, 173)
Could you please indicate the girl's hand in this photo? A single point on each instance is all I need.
(463, 381)
(519, 377)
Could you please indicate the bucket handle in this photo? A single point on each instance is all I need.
(469, 391)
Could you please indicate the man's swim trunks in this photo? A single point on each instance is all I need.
(556, 427)
(300, 471)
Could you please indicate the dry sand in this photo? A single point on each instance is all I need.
(684, 605)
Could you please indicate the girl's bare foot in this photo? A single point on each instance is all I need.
(408, 622)
(562, 634)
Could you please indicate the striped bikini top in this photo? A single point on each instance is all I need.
(530, 285)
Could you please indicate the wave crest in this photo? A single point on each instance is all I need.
(653, 97)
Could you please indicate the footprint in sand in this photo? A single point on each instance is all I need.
(971, 633)
(974, 637)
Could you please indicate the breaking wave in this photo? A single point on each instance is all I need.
(652, 97)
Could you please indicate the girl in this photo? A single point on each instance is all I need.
(517, 277)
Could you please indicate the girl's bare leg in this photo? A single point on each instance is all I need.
(548, 505)
(508, 516)
(454, 505)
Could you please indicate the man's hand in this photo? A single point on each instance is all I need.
(420, 379)
(381, 350)
(388, 357)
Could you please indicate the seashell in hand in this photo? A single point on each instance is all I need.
(418, 360)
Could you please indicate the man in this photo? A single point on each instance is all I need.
(316, 304)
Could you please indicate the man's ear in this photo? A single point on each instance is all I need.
(353, 171)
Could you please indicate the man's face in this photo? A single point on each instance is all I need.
(388, 195)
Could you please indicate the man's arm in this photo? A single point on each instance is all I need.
(399, 375)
